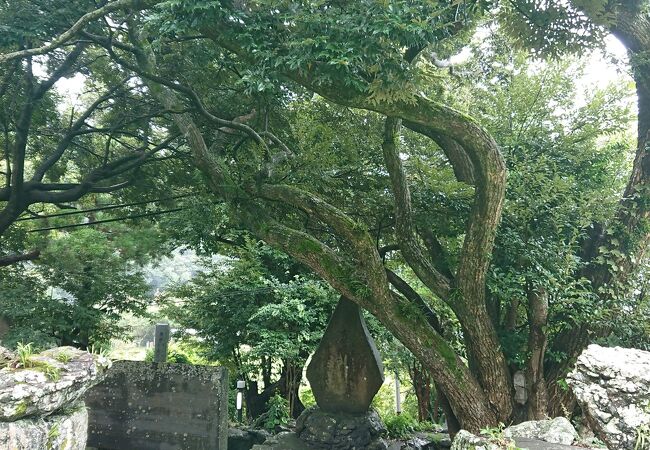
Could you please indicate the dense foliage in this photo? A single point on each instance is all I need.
(77, 290)
(261, 315)
(491, 215)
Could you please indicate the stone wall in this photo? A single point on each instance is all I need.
(141, 406)
(612, 386)
(64, 430)
(40, 398)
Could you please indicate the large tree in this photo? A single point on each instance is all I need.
(57, 150)
(196, 56)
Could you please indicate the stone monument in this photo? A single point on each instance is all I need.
(346, 371)
(345, 374)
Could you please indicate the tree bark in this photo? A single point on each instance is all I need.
(468, 301)
(453, 424)
(537, 318)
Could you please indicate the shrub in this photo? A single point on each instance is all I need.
(276, 415)
(399, 426)
(179, 354)
(307, 397)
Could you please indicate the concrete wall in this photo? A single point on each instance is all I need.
(142, 406)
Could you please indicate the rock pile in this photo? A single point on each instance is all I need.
(245, 438)
(551, 434)
(612, 386)
(41, 402)
(339, 431)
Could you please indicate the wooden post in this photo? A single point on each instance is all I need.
(161, 341)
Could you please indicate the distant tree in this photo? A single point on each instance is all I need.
(78, 289)
(262, 315)
(55, 150)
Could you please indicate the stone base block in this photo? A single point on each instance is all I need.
(283, 441)
(331, 431)
(245, 439)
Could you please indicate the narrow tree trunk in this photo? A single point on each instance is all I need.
(422, 386)
(537, 318)
(255, 402)
(266, 371)
(290, 383)
(453, 424)
(512, 315)
(436, 406)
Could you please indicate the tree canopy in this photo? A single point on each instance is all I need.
(486, 218)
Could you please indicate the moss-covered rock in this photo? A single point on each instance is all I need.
(64, 430)
(40, 384)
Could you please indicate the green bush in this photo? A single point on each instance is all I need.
(276, 415)
(307, 397)
(399, 426)
(384, 401)
(410, 401)
(179, 354)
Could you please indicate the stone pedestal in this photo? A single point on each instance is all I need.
(244, 439)
(341, 431)
(320, 430)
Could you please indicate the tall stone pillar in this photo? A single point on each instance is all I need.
(345, 374)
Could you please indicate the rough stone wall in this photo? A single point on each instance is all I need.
(612, 386)
(54, 379)
(66, 430)
(40, 398)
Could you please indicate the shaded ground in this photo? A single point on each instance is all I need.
(531, 444)
(289, 441)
